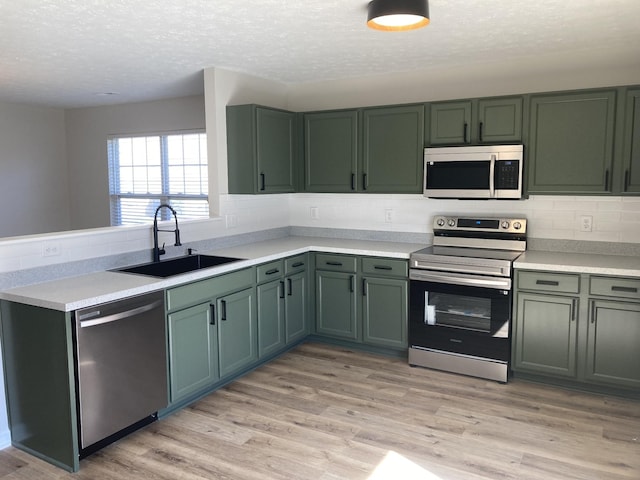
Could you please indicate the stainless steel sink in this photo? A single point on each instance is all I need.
(176, 266)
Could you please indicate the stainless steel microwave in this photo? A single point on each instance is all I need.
(481, 172)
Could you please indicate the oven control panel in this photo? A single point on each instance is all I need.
(480, 224)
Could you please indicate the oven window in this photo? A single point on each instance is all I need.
(457, 311)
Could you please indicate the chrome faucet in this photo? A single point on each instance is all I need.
(157, 251)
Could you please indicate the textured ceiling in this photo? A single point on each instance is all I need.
(69, 53)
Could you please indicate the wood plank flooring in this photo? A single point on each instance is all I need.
(328, 413)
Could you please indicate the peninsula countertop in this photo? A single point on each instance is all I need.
(72, 293)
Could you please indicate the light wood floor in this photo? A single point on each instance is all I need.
(322, 412)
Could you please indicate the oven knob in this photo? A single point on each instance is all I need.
(440, 222)
(517, 225)
(452, 222)
(505, 225)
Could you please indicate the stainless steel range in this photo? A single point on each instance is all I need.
(461, 292)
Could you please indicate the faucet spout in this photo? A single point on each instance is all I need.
(157, 251)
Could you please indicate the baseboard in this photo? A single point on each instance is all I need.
(5, 439)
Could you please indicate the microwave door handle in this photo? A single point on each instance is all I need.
(492, 169)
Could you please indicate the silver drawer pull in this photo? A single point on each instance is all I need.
(552, 283)
(616, 288)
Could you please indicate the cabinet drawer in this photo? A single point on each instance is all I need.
(385, 267)
(295, 264)
(549, 282)
(269, 271)
(336, 263)
(197, 292)
(615, 287)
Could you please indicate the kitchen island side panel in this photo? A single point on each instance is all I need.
(37, 347)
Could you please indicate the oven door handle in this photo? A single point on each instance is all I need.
(476, 269)
(465, 280)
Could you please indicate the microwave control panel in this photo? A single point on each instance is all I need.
(507, 174)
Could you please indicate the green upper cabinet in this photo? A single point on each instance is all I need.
(331, 151)
(261, 150)
(631, 168)
(571, 142)
(486, 120)
(450, 123)
(392, 152)
(499, 120)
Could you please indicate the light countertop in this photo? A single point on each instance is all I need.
(72, 293)
(615, 265)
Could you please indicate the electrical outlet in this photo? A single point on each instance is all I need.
(586, 223)
(315, 214)
(50, 250)
(388, 215)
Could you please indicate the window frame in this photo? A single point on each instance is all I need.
(114, 174)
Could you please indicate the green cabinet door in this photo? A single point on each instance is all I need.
(571, 142)
(613, 356)
(631, 180)
(393, 146)
(261, 150)
(193, 350)
(331, 151)
(271, 317)
(499, 120)
(336, 305)
(545, 334)
(296, 307)
(237, 331)
(275, 151)
(384, 312)
(450, 123)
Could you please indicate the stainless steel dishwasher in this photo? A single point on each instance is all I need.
(122, 367)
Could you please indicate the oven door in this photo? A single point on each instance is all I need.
(463, 314)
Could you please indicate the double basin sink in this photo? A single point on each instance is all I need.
(177, 266)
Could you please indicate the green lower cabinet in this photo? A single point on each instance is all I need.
(193, 351)
(271, 317)
(237, 331)
(39, 376)
(384, 311)
(613, 345)
(295, 302)
(336, 305)
(545, 334)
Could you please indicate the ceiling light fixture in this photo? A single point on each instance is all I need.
(398, 15)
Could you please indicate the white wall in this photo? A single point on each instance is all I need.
(33, 170)
(87, 130)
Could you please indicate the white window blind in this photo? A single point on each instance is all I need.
(146, 171)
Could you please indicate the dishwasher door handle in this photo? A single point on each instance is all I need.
(119, 316)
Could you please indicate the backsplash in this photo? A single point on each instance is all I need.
(613, 219)
(554, 223)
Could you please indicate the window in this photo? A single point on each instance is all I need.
(147, 171)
